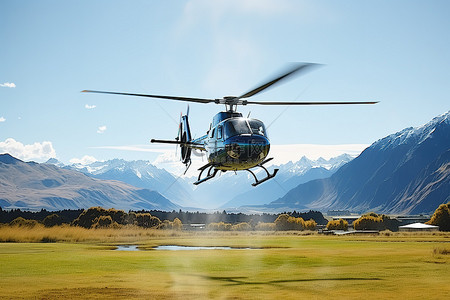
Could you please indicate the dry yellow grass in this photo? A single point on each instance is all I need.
(79, 234)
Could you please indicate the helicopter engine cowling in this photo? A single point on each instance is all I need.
(184, 136)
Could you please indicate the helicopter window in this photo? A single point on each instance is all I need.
(236, 126)
(219, 132)
(257, 127)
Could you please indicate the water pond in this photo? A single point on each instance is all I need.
(127, 248)
(178, 248)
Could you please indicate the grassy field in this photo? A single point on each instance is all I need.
(283, 265)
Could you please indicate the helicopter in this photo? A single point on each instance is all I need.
(233, 142)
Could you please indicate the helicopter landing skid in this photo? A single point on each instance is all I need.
(212, 171)
(268, 176)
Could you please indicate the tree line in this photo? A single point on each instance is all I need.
(373, 221)
(283, 222)
(368, 221)
(68, 216)
(98, 217)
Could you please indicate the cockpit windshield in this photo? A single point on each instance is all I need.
(238, 126)
(257, 127)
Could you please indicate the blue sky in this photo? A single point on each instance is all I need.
(395, 52)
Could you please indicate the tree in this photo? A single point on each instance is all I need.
(104, 222)
(340, 224)
(441, 217)
(368, 222)
(265, 226)
(130, 218)
(146, 220)
(373, 221)
(87, 218)
(244, 226)
(52, 220)
(21, 222)
(310, 225)
(286, 222)
(221, 226)
(176, 224)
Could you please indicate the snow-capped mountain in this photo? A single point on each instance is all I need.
(407, 172)
(212, 194)
(140, 174)
(413, 135)
(29, 185)
(289, 176)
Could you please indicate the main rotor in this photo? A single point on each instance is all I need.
(231, 102)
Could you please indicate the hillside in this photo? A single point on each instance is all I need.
(138, 173)
(29, 185)
(406, 172)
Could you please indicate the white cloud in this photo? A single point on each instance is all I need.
(37, 151)
(2, 119)
(8, 84)
(87, 106)
(101, 129)
(85, 160)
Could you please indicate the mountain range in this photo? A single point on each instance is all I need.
(404, 173)
(138, 173)
(227, 192)
(289, 176)
(33, 186)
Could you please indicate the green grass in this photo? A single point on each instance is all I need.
(288, 265)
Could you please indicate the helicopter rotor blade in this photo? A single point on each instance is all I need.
(308, 103)
(188, 99)
(297, 69)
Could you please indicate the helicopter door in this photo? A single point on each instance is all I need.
(219, 132)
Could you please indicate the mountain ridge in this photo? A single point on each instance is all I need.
(34, 186)
(405, 172)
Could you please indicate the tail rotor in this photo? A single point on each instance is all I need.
(184, 136)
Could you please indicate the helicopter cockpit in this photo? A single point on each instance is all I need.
(238, 126)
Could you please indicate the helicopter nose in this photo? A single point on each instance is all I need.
(248, 148)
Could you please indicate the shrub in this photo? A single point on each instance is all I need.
(310, 225)
(265, 226)
(52, 220)
(221, 226)
(176, 224)
(105, 222)
(130, 219)
(441, 217)
(87, 218)
(286, 222)
(244, 226)
(372, 221)
(340, 224)
(117, 216)
(368, 222)
(21, 222)
(146, 220)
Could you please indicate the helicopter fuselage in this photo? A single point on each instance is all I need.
(236, 143)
